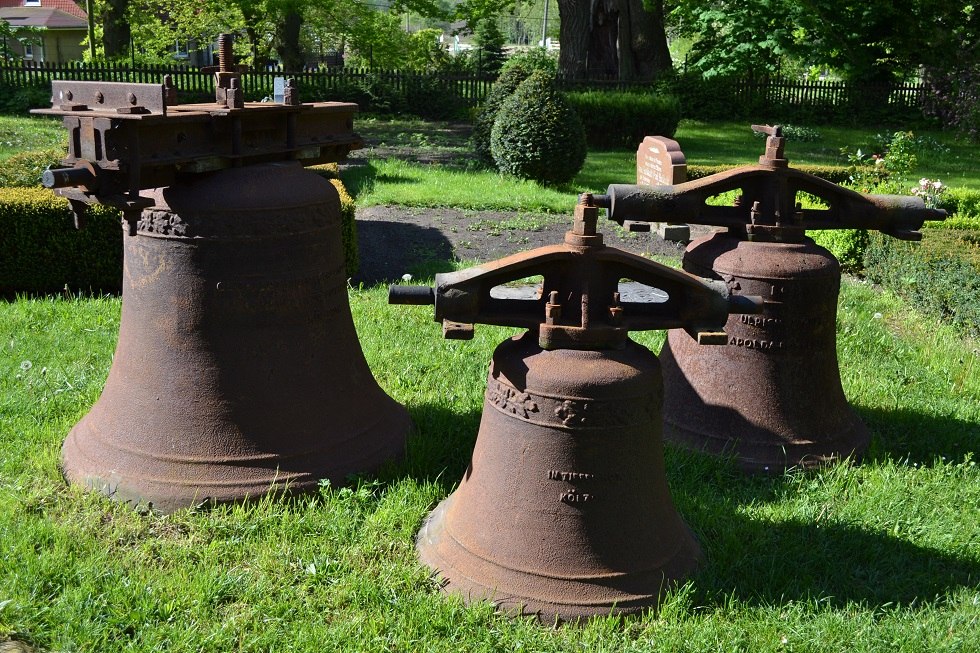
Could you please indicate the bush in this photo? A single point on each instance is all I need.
(514, 71)
(348, 228)
(537, 135)
(42, 251)
(23, 170)
(624, 118)
(833, 174)
(848, 245)
(18, 100)
(963, 205)
(940, 275)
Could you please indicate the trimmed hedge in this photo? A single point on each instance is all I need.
(848, 245)
(940, 275)
(348, 228)
(43, 252)
(834, 174)
(624, 118)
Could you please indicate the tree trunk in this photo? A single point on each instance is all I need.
(574, 36)
(603, 58)
(288, 42)
(643, 46)
(115, 29)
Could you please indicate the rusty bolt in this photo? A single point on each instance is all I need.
(552, 310)
(224, 52)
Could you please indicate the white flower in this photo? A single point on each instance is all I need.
(406, 277)
(937, 184)
(26, 365)
(923, 182)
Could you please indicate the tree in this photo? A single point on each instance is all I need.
(491, 42)
(622, 38)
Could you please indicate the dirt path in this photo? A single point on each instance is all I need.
(395, 240)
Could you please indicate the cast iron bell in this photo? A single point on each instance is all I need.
(772, 398)
(564, 511)
(237, 371)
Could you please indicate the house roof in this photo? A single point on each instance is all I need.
(67, 6)
(41, 17)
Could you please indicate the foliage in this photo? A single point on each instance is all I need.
(537, 135)
(847, 245)
(515, 71)
(622, 118)
(872, 41)
(940, 275)
(833, 174)
(963, 205)
(931, 192)
(531, 60)
(348, 228)
(888, 172)
(953, 96)
(43, 253)
(490, 40)
(18, 100)
(796, 133)
(24, 168)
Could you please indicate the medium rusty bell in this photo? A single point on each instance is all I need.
(772, 398)
(237, 370)
(564, 510)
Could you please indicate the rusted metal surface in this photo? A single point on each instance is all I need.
(237, 371)
(772, 397)
(564, 511)
(237, 368)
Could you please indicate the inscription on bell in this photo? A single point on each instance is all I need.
(752, 343)
(761, 321)
(556, 475)
(575, 497)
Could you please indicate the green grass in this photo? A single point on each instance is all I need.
(881, 556)
(18, 134)
(393, 181)
(424, 184)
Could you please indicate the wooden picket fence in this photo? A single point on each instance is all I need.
(323, 83)
(472, 88)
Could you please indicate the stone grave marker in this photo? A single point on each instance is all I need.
(660, 162)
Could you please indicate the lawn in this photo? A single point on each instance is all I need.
(880, 556)
(18, 134)
(883, 555)
(390, 179)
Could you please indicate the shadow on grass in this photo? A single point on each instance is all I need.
(441, 445)
(388, 249)
(769, 563)
(908, 437)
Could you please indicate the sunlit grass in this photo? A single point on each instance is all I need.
(879, 556)
(18, 134)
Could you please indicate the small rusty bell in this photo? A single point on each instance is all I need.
(772, 397)
(564, 511)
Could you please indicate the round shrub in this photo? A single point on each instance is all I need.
(537, 135)
(514, 71)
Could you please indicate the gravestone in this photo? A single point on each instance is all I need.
(660, 162)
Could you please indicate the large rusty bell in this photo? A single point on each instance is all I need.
(564, 511)
(772, 397)
(238, 371)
